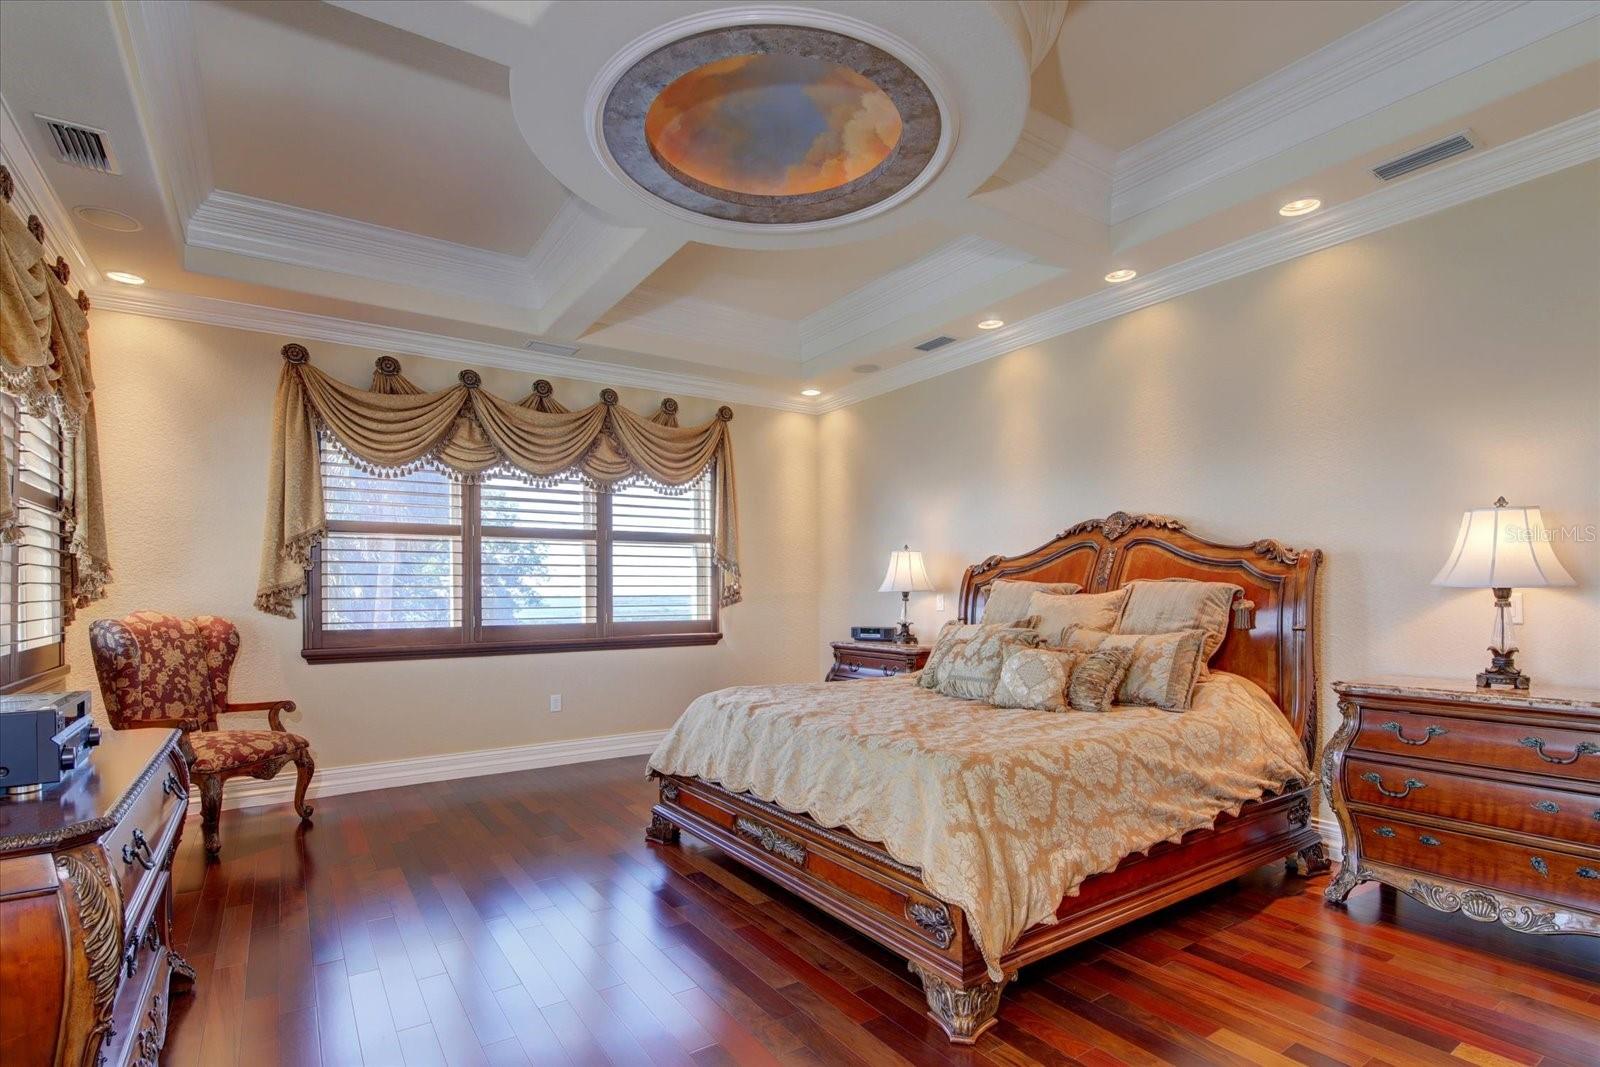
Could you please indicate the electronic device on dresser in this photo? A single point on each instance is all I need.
(872, 633)
(86, 908)
(43, 737)
(1485, 802)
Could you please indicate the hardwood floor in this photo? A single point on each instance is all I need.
(521, 918)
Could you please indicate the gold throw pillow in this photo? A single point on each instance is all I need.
(972, 668)
(1094, 682)
(1097, 611)
(1008, 599)
(1164, 668)
(1035, 678)
(1167, 605)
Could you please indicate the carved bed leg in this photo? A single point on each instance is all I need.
(965, 1012)
(1313, 859)
(211, 813)
(661, 831)
(304, 767)
(1348, 878)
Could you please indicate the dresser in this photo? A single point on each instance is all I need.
(86, 908)
(875, 659)
(1479, 801)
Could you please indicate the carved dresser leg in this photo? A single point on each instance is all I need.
(1313, 859)
(182, 972)
(1348, 878)
(965, 1012)
(661, 831)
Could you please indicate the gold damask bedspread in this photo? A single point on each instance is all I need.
(1005, 811)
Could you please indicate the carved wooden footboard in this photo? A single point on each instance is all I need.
(857, 882)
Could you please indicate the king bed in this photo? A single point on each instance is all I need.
(973, 840)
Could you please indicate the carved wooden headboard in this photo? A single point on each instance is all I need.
(1278, 649)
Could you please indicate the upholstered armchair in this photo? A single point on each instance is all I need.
(160, 670)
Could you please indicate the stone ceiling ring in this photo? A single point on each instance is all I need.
(773, 125)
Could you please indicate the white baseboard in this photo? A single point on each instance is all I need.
(360, 777)
(1332, 836)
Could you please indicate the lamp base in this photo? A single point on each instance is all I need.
(1503, 671)
(903, 634)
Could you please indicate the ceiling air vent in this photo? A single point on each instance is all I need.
(935, 342)
(1424, 157)
(81, 146)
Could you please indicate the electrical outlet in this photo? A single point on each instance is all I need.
(1516, 609)
(938, 602)
(555, 701)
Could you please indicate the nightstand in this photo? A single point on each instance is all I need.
(1482, 801)
(875, 659)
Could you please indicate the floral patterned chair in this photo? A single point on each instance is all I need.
(160, 670)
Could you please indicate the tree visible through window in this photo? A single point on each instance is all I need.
(32, 571)
(425, 565)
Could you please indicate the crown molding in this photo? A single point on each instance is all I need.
(1062, 166)
(1417, 46)
(300, 237)
(1566, 144)
(926, 284)
(166, 81)
(539, 357)
(33, 195)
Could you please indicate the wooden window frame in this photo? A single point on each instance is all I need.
(22, 670)
(473, 638)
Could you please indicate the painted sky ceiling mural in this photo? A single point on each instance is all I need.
(771, 124)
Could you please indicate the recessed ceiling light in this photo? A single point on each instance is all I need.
(811, 392)
(1117, 277)
(107, 219)
(124, 277)
(991, 324)
(1300, 207)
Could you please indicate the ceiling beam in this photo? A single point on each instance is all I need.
(497, 30)
(584, 264)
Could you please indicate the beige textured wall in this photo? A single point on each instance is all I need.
(185, 411)
(1356, 400)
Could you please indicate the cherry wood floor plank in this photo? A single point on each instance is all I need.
(522, 918)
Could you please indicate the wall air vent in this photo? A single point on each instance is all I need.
(935, 342)
(81, 146)
(1424, 157)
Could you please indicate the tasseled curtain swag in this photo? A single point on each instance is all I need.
(44, 363)
(395, 428)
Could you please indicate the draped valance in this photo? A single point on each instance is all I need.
(44, 363)
(467, 432)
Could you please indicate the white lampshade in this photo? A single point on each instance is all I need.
(906, 574)
(1502, 547)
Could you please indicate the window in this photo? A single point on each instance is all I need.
(421, 565)
(32, 615)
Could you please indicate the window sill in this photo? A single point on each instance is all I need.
(38, 683)
(518, 648)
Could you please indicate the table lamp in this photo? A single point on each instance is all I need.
(1502, 548)
(906, 575)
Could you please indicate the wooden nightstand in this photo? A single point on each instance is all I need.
(1483, 801)
(875, 659)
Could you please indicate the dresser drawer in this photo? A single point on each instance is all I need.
(1530, 871)
(1417, 734)
(1429, 790)
(135, 846)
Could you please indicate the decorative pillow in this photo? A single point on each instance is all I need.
(1167, 605)
(1095, 611)
(1035, 678)
(951, 634)
(1164, 669)
(1094, 682)
(1009, 599)
(972, 668)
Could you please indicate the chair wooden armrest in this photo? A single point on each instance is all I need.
(273, 708)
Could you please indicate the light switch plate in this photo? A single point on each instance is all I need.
(555, 701)
(938, 602)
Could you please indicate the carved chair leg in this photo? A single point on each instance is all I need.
(304, 767)
(1313, 859)
(965, 1012)
(661, 831)
(1348, 878)
(211, 812)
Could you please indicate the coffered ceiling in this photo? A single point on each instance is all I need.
(434, 178)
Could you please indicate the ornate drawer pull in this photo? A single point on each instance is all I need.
(1588, 872)
(1384, 831)
(174, 788)
(1585, 748)
(139, 851)
(1538, 864)
(1549, 807)
(1428, 733)
(1377, 780)
(1431, 842)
